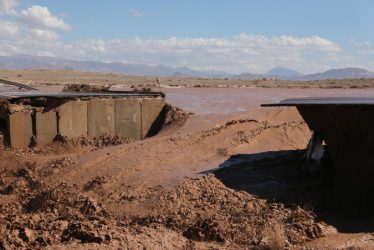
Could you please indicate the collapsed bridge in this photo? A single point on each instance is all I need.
(35, 117)
(346, 124)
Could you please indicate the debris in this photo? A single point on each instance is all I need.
(314, 153)
(88, 88)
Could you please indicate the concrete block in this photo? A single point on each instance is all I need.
(20, 129)
(72, 122)
(100, 117)
(45, 127)
(151, 109)
(128, 118)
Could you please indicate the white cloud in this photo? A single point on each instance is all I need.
(8, 29)
(135, 12)
(7, 7)
(291, 41)
(44, 35)
(358, 43)
(34, 31)
(242, 53)
(30, 31)
(40, 16)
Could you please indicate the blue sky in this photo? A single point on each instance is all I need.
(235, 36)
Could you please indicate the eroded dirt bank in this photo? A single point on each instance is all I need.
(168, 192)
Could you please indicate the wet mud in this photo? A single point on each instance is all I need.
(231, 183)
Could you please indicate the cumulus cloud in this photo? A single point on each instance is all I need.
(8, 29)
(135, 12)
(242, 53)
(44, 35)
(40, 16)
(359, 43)
(35, 31)
(7, 7)
(29, 31)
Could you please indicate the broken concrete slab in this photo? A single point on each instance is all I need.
(151, 110)
(128, 118)
(45, 127)
(100, 117)
(20, 129)
(72, 122)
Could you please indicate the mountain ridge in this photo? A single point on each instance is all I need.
(28, 62)
(282, 72)
(342, 73)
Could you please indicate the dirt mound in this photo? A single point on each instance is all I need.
(40, 209)
(34, 214)
(81, 144)
(204, 209)
(238, 185)
(103, 141)
(175, 116)
(173, 119)
(82, 87)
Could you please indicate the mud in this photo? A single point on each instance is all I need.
(87, 88)
(173, 119)
(202, 212)
(234, 182)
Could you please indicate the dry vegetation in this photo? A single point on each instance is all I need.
(53, 77)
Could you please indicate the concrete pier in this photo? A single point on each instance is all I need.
(45, 127)
(100, 117)
(128, 118)
(131, 116)
(72, 119)
(20, 129)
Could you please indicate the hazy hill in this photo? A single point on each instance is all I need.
(42, 62)
(283, 73)
(247, 76)
(344, 73)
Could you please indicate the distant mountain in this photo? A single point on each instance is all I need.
(289, 74)
(283, 73)
(344, 73)
(247, 76)
(42, 62)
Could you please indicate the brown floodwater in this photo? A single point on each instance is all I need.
(213, 106)
(237, 100)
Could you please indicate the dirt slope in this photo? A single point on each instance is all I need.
(166, 192)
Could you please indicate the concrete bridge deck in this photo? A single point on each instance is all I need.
(346, 124)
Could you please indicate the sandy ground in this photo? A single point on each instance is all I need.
(61, 77)
(229, 178)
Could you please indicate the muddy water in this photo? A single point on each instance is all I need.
(235, 100)
(213, 106)
(228, 101)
